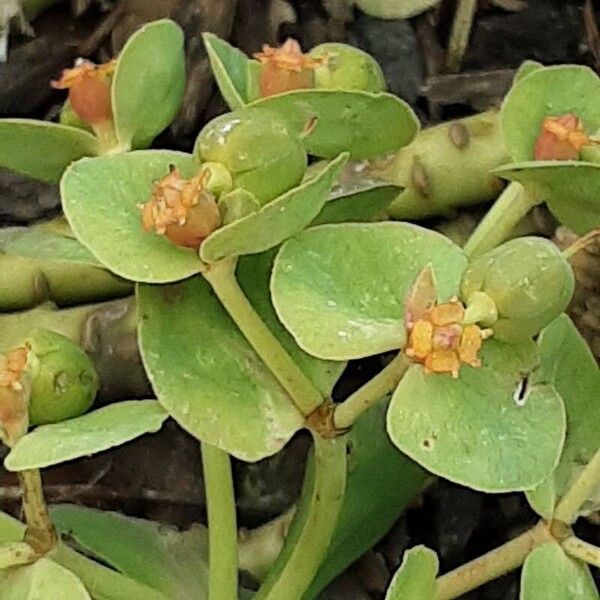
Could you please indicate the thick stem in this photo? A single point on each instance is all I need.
(506, 213)
(494, 564)
(459, 36)
(568, 508)
(102, 582)
(446, 167)
(222, 524)
(313, 526)
(28, 282)
(581, 550)
(40, 533)
(221, 276)
(373, 391)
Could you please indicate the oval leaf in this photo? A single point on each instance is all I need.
(472, 431)
(340, 289)
(550, 574)
(94, 432)
(394, 9)
(148, 83)
(362, 123)
(100, 199)
(230, 69)
(570, 188)
(37, 242)
(207, 376)
(567, 363)
(161, 557)
(548, 91)
(415, 579)
(43, 579)
(253, 273)
(42, 150)
(276, 221)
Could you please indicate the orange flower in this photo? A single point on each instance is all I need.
(89, 90)
(437, 337)
(182, 209)
(561, 138)
(285, 68)
(13, 395)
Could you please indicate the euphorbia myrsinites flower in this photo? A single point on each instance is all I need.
(89, 90)
(181, 209)
(13, 396)
(561, 138)
(285, 68)
(437, 337)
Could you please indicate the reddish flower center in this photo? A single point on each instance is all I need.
(561, 138)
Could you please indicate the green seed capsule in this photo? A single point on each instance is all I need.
(344, 67)
(64, 381)
(529, 280)
(262, 154)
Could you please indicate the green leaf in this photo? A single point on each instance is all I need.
(356, 198)
(230, 69)
(159, 556)
(253, 273)
(381, 483)
(570, 188)
(38, 242)
(276, 221)
(567, 363)
(476, 430)
(100, 199)
(340, 289)
(93, 432)
(207, 376)
(148, 83)
(394, 9)
(548, 91)
(549, 574)
(41, 149)
(11, 530)
(362, 123)
(415, 579)
(44, 579)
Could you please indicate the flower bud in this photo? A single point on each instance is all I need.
(258, 148)
(285, 69)
(184, 210)
(528, 279)
(89, 90)
(344, 67)
(64, 381)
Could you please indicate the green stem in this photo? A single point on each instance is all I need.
(581, 550)
(221, 276)
(383, 383)
(222, 524)
(40, 532)
(497, 225)
(568, 508)
(102, 582)
(492, 565)
(459, 36)
(313, 526)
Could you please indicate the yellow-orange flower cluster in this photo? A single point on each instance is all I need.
(89, 90)
(440, 341)
(12, 365)
(286, 68)
(182, 209)
(561, 138)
